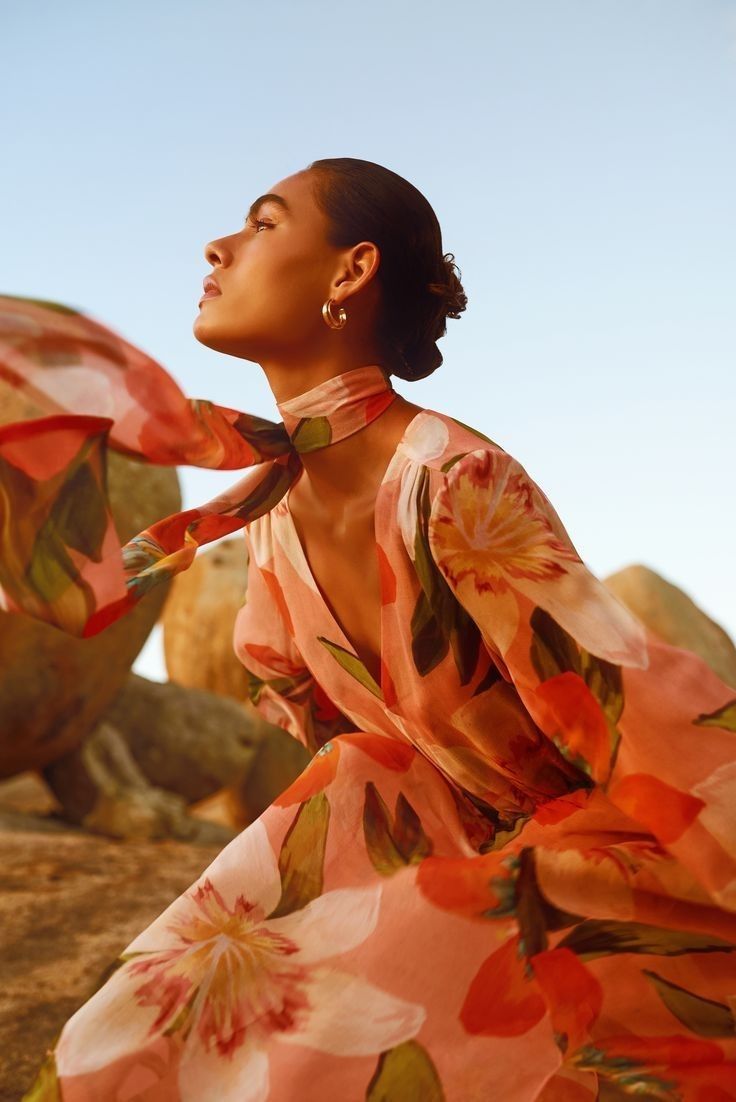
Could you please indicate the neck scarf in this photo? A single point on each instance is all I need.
(70, 388)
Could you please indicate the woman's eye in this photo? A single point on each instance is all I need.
(258, 222)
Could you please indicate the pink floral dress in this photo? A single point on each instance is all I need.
(507, 874)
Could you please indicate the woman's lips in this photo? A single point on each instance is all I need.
(210, 294)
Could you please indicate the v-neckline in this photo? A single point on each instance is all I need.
(377, 534)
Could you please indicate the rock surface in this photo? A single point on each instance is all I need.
(190, 741)
(171, 762)
(100, 787)
(199, 618)
(70, 902)
(674, 617)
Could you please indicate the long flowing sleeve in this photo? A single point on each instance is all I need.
(71, 389)
(280, 685)
(651, 724)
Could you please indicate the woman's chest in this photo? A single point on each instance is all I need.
(358, 592)
(343, 563)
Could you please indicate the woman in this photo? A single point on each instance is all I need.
(509, 870)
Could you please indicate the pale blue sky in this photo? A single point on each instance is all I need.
(581, 158)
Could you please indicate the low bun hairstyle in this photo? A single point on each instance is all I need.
(364, 201)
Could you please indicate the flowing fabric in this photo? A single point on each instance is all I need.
(508, 871)
(62, 561)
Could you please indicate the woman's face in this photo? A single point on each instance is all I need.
(274, 275)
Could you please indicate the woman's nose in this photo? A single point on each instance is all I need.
(218, 252)
(212, 253)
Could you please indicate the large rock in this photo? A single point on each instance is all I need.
(54, 687)
(190, 741)
(171, 762)
(100, 787)
(159, 749)
(674, 617)
(199, 619)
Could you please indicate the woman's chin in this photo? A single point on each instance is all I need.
(209, 337)
(206, 329)
(216, 338)
(199, 328)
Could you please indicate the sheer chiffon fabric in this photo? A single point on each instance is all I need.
(508, 871)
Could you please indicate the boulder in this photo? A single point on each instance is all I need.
(189, 741)
(199, 619)
(100, 787)
(171, 762)
(674, 617)
(159, 749)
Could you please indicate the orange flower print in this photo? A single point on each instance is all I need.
(318, 773)
(573, 994)
(389, 752)
(481, 887)
(221, 978)
(577, 722)
(663, 810)
(273, 663)
(503, 999)
(495, 536)
(321, 770)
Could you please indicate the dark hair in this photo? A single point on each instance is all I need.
(365, 201)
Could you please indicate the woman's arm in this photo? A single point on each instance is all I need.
(649, 723)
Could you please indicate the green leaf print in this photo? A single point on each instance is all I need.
(465, 637)
(612, 1092)
(79, 516)
(391, 846)
(78, 520)
(408, 832)
(622, 1078)
(703, 1016)
(535, 914)
(649, 1088)
(302, 856)
(491, 677)
(553, 651)
(476, 432)
(271, 489)
(439, 621)
(312, 433)
(405, 1074)
(353, 665)
(450, 463)
(291, 687)
(600, 937)
(724, 717)
(429, 644)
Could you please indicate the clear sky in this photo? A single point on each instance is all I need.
(580, 156)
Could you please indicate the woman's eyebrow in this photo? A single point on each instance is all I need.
(269, 197)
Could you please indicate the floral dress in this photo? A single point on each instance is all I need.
(507, 874)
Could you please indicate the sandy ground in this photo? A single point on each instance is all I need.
(69, 903)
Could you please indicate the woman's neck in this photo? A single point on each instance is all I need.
(345, 476)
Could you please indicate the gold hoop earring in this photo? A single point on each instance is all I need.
(327, 315)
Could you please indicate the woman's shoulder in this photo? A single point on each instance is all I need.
(470, 473)
(438, 440)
